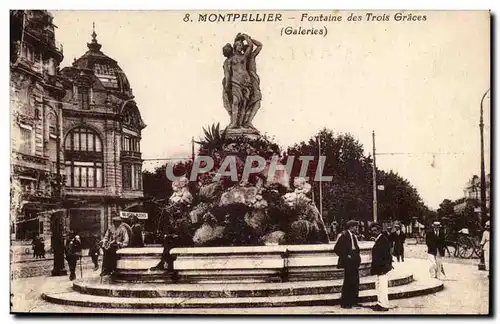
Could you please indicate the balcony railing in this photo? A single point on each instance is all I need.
(130, 155)
(31, 158)
(83, 155)
(34, 194)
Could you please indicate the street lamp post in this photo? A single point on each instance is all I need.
(320, 174)
(483, 175)
(57, 229)
(374, 181)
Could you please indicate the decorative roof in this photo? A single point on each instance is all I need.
(104, 67)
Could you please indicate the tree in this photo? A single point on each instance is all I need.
(349, 195)
(399, 200)
(446, 209)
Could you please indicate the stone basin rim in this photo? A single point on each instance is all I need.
(311, 248)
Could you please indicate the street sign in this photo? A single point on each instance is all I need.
(380, 187)
(125, 214)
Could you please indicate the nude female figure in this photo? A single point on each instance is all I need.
(237, 80)
(256, 96)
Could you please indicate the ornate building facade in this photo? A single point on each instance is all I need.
(102, 129)
(75, 135)
(35, 101)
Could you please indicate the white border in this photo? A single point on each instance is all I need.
(186, 4)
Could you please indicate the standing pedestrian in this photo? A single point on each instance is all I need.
(73, 253)
(136, 239)
(397, 238)
(435, 249)
(116, 237)
(381, 265)
(347, 249)
(94, 252)
(34, 246)
(334, 230)
(41, 247)
(485, 244)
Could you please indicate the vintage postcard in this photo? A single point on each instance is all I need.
(250, 162)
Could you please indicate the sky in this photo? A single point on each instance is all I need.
(418, 85)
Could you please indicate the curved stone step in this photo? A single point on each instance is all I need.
(236, 275)
(247, 276)
(75, 298)
(94, 287)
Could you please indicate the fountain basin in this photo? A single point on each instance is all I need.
(279, 263)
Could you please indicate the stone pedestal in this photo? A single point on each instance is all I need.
(248, 132)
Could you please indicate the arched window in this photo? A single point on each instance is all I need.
(84, 159)
(83, 139)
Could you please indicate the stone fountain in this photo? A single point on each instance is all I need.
(255, 243)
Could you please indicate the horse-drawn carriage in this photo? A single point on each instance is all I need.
(464, 244)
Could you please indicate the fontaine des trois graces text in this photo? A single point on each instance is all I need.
(292, 23)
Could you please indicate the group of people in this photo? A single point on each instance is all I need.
(348, 251)
(38, 246)
(386, 246)
(436, 248)
(117, 236)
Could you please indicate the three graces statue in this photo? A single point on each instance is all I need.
(241, 94)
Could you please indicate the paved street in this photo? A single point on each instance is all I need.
(466, 292)
(26, 266)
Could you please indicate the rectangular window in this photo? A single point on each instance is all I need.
(91, 177)
(127, 176)
(26, 141)
(138, 177)
(98, 177)
(76, 177)
(126, 143)
(68, 175)
(84, 176)
(83, 96)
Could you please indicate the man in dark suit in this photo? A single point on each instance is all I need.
(73, 253)
(398, 239)
(435, 249)
(381, 265)
(347, 249)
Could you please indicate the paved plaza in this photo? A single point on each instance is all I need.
(466, 292)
